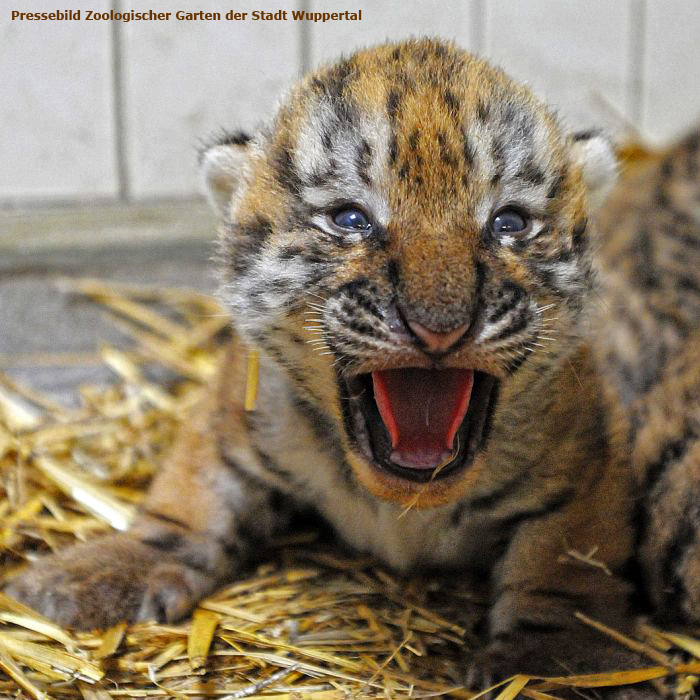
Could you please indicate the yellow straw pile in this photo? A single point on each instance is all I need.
(308, 623)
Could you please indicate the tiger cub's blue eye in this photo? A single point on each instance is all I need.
(510, 221)
(352, 219)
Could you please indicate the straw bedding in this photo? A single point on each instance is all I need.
(309, 622)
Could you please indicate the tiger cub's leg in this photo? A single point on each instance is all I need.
(201, 520)
(542, 581)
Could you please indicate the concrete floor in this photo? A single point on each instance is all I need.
(164, 244)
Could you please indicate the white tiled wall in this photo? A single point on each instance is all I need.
(57, 137)
(671, 68)
(115, 110)
(185, 80)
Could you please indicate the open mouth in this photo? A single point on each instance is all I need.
(420, 424)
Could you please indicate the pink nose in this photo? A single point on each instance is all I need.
(437, 342)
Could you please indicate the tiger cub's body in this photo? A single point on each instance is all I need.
(406, 245)
(648, 251)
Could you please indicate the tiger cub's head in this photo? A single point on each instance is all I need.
(407, 238)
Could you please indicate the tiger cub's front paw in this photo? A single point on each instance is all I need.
(552, 654)
(109, 580)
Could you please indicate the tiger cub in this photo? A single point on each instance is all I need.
(406, 246)
(649, 258)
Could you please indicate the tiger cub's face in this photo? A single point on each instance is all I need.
(408, 240)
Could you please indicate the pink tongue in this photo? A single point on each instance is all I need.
(422, 410)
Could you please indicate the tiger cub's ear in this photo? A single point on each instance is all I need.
(221, 164)
(594, 152)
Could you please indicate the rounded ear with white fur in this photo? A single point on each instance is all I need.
(221, 164)
(595, 154)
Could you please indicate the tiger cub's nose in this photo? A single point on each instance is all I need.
(437, 342)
